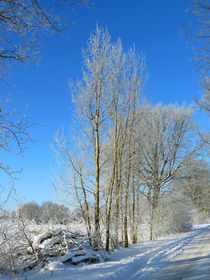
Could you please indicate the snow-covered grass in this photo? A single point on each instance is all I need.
(142, 261)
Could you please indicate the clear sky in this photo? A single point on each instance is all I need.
(153, 26)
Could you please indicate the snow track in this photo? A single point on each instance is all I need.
(186, 258)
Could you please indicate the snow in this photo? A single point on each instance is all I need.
(39, 238)
(180, 256)
(46, 244)
(90, 257)
(70, 255)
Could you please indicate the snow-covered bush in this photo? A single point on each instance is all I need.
(14, 245)
(174, 214)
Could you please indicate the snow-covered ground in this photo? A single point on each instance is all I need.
(181, 256)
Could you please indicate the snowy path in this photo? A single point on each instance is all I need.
(183, 256)
(190, 259)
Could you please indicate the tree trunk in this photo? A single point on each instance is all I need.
(108, 216)
(126, 200)
(133, 228)
(151, 237)
(117, 207)
(97, 180)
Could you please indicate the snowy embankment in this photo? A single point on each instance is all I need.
(181, 256)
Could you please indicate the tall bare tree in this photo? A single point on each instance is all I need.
(165, 147)
(91, 103)
(105, 101)
(126, 83)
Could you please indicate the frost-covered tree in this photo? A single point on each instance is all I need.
(173, 214)
(165, 145)
(54, 213)
(48, 213)
(30, 212)
(195, 185)
(105, 101)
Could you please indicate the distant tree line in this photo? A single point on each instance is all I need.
(46, 213)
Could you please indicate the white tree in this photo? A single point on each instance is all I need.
(106, 100)
(165, 144)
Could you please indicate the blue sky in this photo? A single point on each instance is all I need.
(153, 26)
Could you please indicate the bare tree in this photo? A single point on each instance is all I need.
(29, 212)
(126, 83)
(21, 22)
(14, 134)
(90, 99)
(106, 101)
(200, 32)
(165, 147)
(201, 10)
(195, 185)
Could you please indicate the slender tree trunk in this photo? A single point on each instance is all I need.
(137, 212)
(87, 214)
(97, 180)
(85, 208)
(121, 201)
(108, 216)
(113, 179)
(117, 207)
(121, 189)
(151, 237)
(133, 228)
(138, 193)
(126, 196)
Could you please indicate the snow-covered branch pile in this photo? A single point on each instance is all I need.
(23, 247)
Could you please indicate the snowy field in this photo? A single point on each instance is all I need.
(180, 256)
